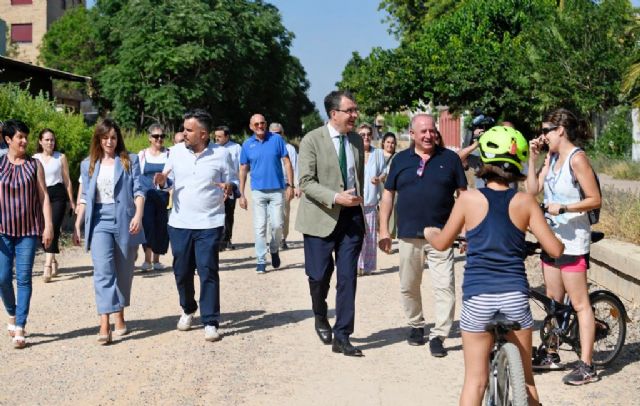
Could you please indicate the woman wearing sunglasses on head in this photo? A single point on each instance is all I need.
(156, 214)
(570, 191)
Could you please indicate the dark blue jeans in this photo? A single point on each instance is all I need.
(23, 249)
(197, 249)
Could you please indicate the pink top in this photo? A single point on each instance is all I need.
(20, 209)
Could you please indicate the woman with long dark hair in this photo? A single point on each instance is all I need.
(25, 215)
(60, 191)
(112, 205)
(570, 191)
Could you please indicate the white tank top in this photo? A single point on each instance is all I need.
(52, 168)
(572, 228)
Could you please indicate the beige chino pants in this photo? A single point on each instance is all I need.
(412, 255)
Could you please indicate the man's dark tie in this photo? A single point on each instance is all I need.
(342, 158)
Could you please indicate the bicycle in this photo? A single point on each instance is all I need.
(506, 375)
(560, 325)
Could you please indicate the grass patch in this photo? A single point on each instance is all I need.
(620, 215)
(616, 168)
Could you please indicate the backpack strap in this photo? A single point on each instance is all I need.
(573, 175)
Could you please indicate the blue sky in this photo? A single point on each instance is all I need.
(326, 33)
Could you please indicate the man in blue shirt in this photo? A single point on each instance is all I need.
(425, 178)
(264, 154)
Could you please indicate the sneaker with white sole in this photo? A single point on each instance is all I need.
(547, 361)
(581, 375)
(157, 266)
(146, 266)
(185, 321)
(211, 333)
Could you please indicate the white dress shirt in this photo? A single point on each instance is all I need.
(198, 200)
(351, 161)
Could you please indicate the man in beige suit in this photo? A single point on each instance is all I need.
(330, 216)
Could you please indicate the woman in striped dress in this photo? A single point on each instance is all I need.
(373, 176)
(25, 215)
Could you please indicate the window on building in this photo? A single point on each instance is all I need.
(15, 2)
(21, 32)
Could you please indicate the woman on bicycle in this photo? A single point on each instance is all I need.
(565, 176)
(496, 218)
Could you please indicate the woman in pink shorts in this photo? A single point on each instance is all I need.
(570, 191)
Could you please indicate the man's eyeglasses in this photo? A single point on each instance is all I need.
(547, 130)
(420, 170)
(350, 112)
(257, 123)
(161, 136)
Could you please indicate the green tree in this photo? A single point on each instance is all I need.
(231, 57)
(513, 59)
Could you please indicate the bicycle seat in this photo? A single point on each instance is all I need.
(501, 323)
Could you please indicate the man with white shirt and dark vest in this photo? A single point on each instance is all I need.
(330, 216)
(202, 174)
(222, 136)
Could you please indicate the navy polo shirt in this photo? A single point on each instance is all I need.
(265, 161)
(425, 200)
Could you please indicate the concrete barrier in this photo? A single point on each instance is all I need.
(616, 266)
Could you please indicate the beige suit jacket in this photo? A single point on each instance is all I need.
(320, 179)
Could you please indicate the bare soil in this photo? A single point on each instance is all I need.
(269, 354)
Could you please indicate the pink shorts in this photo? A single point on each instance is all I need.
(579, 265)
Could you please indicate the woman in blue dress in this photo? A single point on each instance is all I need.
(156, 214)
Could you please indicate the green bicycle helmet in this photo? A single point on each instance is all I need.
(504, 145)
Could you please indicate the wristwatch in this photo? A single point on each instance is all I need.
(289, 185)
(563, 209)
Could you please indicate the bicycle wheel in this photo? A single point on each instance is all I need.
(611, 326)
(508, 388)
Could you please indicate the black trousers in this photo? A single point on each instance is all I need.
(229, 211)
(58, 199)
(345, 242)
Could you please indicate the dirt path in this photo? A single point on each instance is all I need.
(269, 354)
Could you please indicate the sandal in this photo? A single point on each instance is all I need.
(11, 329)
(54, 268)
(19, 341)
(46, 274)
(104, 339)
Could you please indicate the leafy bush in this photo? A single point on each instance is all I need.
(616, 168)
(73, 136)
(616, 138)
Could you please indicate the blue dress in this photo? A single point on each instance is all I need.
(156, 214)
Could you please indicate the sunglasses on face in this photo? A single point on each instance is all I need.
(365, 134)
(547, 130)
(161, 136)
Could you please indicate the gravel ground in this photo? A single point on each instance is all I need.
(269, 353)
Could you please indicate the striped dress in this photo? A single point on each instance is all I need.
(20, 208)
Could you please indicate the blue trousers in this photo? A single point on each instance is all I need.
(23, 249)
(345, 242)
(155, 221)
(112, 265)
(197, 249)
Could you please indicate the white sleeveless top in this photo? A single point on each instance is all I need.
(52, 169)
(572, 228)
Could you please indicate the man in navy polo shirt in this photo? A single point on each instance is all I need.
(425, 178)
(264, 154)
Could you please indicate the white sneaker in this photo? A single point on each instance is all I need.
(211, 333)
(146, 266)
(184, 323)
(157, 266)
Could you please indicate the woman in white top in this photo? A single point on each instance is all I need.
(568, 218)
(111, 208)
(373, 176)
(156, 214)
(56, 172)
